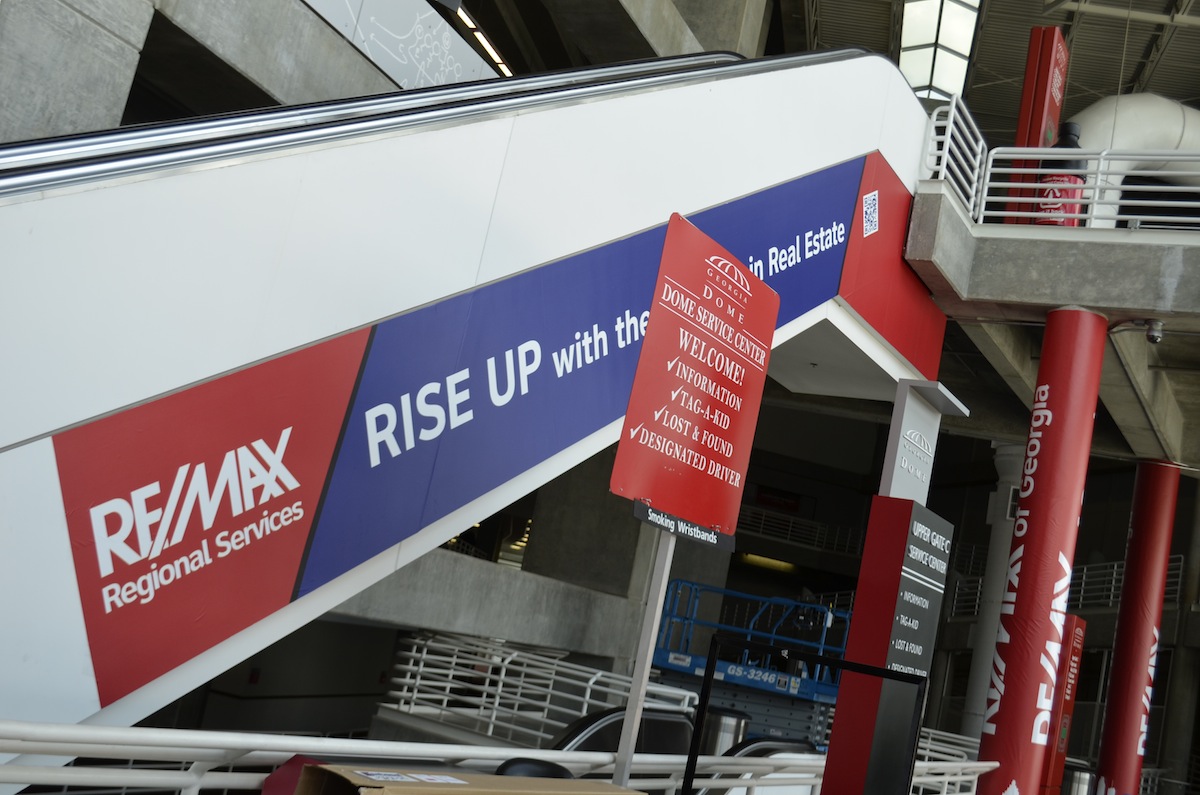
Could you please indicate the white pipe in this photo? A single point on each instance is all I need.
(1139, 121)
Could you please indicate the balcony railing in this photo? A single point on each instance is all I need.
(957, 153)
(187, 761)
(1095, 586)
(785, 527)
(507, 692)
(1134, 189)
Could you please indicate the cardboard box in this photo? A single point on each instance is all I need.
(369, 779)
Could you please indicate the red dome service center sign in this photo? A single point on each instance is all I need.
(686, 441)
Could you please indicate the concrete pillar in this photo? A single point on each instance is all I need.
(66, 66)
(1183, 688)
(1029, 640)
(584, 535)
(1008, 460)
(1135, 650)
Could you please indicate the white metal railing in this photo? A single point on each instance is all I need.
(785, 527)
(1113, 191)
(509, 692)
(956, 152)
(940, 746)
(188, 761)
(1128, 188)
(1092, 586)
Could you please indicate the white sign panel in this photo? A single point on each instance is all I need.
(912, 440)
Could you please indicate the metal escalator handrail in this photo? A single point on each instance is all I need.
(141, 137)
(470, 105)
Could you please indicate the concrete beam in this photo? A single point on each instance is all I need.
(66, 67)
(1010, 350)
(1018, 272)
(306, 60)
(1142, 401)
(608, 31)
(740, 26)
(941, 246)
(429, 592)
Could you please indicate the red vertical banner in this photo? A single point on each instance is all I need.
(1041, 104)
(1135, 651)
(1064, 706)
(1017, 720)
(1044, 89)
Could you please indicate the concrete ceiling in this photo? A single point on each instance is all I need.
(1150, 393)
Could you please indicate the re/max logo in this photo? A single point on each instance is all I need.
(249, 475)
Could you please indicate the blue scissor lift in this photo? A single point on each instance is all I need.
(693, 612)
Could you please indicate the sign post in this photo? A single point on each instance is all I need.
(898, 606)
(685, 444)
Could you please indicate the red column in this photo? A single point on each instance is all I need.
(1029, 641)
(1135, 652)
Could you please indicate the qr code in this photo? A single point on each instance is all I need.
(871, 213)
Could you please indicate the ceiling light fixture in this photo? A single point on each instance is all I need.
(764, 562)
(484, 42)
(935, 44)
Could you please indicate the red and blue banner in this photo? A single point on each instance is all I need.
(198, 514)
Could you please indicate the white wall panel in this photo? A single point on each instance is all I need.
(112, 296)
(42, 638)
(580, 176)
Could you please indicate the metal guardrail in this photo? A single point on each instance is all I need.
(131, 140)
(1092, 586)
(508, 692)
(32, 168)
(187, 761)
(956, 152)
(785, 527)
(1117, 188)
(1134, 189)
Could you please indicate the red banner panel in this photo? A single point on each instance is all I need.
(167, 507)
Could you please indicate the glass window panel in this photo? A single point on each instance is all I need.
(958, 28)
(949, 72)
(920, 23)
(917, 66)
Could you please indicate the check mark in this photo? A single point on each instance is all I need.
(634, 431)
(676, 392)
(671, 364)
(658, 414)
